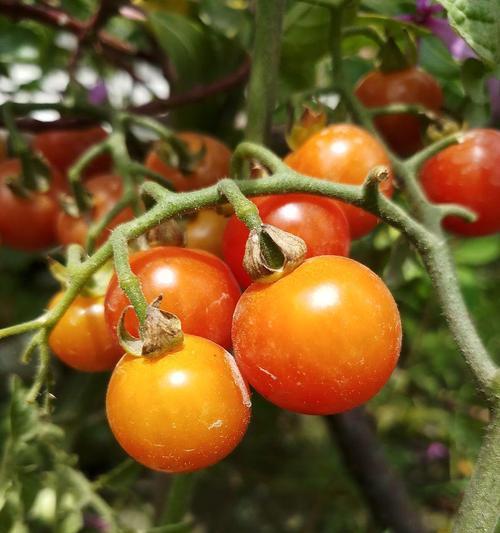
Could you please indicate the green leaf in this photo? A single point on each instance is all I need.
(436, 59)
(478, 22)
(478, 252)
(474, 75)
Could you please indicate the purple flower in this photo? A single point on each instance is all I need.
(98, 94)
(436, 451)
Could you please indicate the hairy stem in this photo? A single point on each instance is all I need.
(179, 498)
(244, 208)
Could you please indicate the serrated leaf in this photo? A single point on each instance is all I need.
(478, 23)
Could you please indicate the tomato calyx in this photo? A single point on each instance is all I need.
(392, 58)
(176, 154)
(271, 253)
(310, 122)
(160, 332)
(35, 178)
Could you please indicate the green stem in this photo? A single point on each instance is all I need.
(265, 62)
(364, 31)
(179, 498)
(24, 327)
(480, 508)
(244, 208)
(336, 15)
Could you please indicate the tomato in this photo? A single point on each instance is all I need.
(343, 153)
(319, 221)
(179, 411)
(27, 223)
(106, 191)
(213, 166)
(81, 339)
(321, 340)
(62, 148)
(403, 132)
(205, 231)
(196, 286)
(468, 173)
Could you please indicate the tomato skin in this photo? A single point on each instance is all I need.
(62, 148)
(27, 223)
(179, 411)
(196, 286)
(211, 168)
(81, 339)
(106, 190)
(403, 132)
(468, 174)
(205, 231)
(319, 221)
(343, 153)
(321, 340)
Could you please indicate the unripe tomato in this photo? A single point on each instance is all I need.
(343, 153)
(81, 338)
(468, 173)
(319, 221)
(213, 166)
(106, 190)
(62, 148)
(179, 411)
(196, 286)
(205, 231)
(27, 223)
(321, 340)
(403, 132)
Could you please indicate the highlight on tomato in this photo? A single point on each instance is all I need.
(411, 85)
(81, 338)
(468, 173)
(212, 166)
(344, 153)
(321, 340)
(181, 410)
(319, 221)
(195, 285)
(27, 219)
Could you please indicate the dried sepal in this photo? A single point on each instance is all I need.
(168, 233)
(160, 332)
(270, 253)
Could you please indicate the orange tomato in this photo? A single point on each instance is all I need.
(343, 153)
(179, 411)
(205, 231)
(321, 340)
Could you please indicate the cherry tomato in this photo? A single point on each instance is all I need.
(343, 153)
(468, 173)
(403, 132)
(321, 340)
(105, 190)
(81, 339)
(213, 166)
(62, 148)
(179, 411)
(196, 286)
(319, 221)
(205, 231)
(27, 223)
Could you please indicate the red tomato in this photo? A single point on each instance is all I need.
(468, 174)
(62, 148)
(403, 132)
(81, 339)
(321, 340)
(105, 190)
(205, 231)
(196, 286)
(213, 166)
(179, 411)
(343, 153)
(319, 221)
(27, 223)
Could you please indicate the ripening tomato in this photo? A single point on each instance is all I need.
(343, 153)
(27, 223)
(196, 286)
(213, 165)
(62, 148)
(81, 339)
(179, 411)
(319, 221)
(205, 231)
(106, 191)
(321, 340)
(468, 173)
(403, 132)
